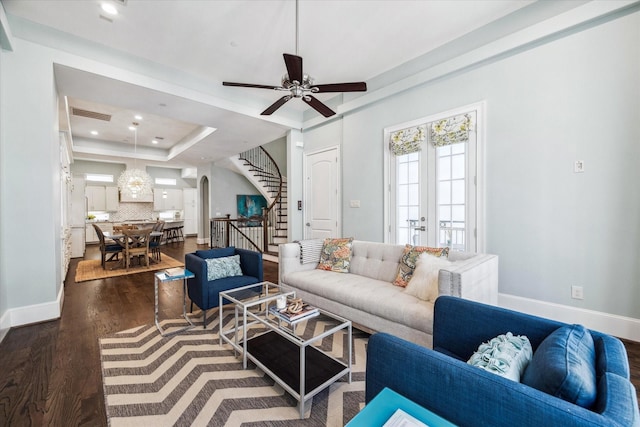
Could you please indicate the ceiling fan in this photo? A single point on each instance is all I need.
(300, 85)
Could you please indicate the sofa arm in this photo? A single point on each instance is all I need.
(475, 279)
(289, 261)
(195, 285)
(251, 263)
(464, 394)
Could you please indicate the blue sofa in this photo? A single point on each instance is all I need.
(441, 380)
(204, 292)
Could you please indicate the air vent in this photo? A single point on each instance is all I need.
(159, 138)
(90, 114)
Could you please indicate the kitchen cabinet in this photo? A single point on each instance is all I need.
(96, 198)
(111, 198)
(166, 199)
(101, 198)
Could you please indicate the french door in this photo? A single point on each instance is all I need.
(433, 192)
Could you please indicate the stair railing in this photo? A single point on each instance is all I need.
(243, 232)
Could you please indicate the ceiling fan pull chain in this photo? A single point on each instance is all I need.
(297, 32)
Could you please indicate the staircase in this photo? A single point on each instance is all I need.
(260, 168)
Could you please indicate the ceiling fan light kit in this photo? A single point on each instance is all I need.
(300, 85)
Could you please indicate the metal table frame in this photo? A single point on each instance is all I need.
(263, 317)
(161, 277)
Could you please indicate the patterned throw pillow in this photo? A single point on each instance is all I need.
(505, 355)
(218, 268)
(408, 261)
(336, 255)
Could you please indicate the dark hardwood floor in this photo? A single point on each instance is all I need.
(50, 372)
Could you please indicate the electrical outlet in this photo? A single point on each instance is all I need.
(578, 166)
(577, 292)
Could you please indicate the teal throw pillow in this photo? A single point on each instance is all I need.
(564, 366)
(218, 268)
(505, 355)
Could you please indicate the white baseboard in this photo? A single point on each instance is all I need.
(612, 324)
(32, 314)
(202, 241)
(5, 324)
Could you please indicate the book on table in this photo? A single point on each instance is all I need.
(284, 314)
(174, 272)
(402, 419)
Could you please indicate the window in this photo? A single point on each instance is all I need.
(433, 190)
(165, 181)
(95, 177)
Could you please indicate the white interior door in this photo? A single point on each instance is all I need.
(321, 194)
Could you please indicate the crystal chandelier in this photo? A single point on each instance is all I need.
(135, 183)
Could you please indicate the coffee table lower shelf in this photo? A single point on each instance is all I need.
(280, 359)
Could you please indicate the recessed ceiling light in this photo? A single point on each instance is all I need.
(132, 128)
(109, 8)
(94, 132)
(154, 141)
(137, 117)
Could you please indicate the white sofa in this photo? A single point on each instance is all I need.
(367, 296)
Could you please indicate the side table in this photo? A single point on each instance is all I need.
(384, 405)
(162, 277)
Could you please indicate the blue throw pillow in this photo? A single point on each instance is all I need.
(564, 366)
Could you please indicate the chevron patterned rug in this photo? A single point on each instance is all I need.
(190, 380)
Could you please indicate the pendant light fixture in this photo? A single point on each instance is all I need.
(135, 183)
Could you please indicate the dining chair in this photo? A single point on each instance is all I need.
(156, 240)
(107, 249)
(136, 244)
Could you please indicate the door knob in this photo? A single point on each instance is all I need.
(423, 228)
(308, 224)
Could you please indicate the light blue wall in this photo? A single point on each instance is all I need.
(225, 185)
(30, 182)
(576, 98)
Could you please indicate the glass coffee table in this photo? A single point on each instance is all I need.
(290, 353)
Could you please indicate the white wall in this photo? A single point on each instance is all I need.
(576, 98)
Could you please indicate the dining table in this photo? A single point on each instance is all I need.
(119, 238)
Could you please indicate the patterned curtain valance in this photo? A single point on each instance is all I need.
(407, 141)
(451, 131)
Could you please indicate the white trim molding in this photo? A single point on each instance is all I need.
(618, 326)
(31, 314)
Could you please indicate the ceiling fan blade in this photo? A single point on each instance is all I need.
(294, 67)
(342, 87)
(318, 106)
(248, 85)
(273, 107)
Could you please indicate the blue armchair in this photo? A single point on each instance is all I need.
(204, 292)
(441, 380)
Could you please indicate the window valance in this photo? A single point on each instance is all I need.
(407, 141)
(451, 130)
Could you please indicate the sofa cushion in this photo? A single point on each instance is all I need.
(336, 255)
(563, 365)
(424, 281)
(218, 268)
(505, 355)
(408, 261)
(375, 260)
(216, 253)
(373, 296)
